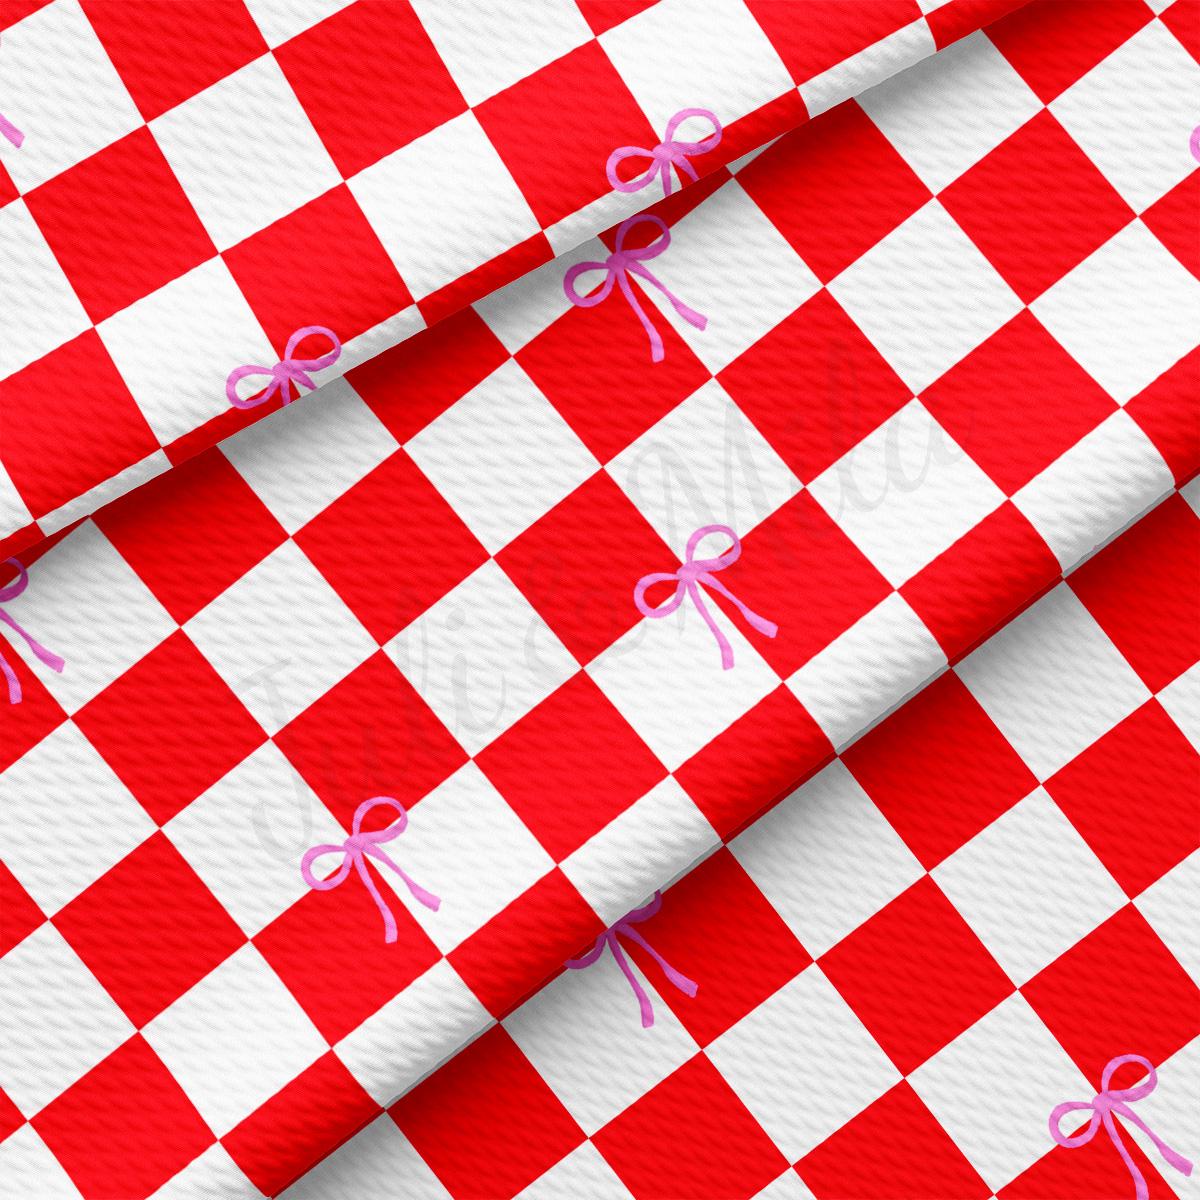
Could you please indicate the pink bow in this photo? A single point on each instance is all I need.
(620, 265)
(356, 849)
(11, 592)
(624, 928)
(291, 371)
(1195, 143)
(10, 131)
(693, 572)
(1108, 1103)
(667, 154)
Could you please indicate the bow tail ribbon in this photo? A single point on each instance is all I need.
(10, 131)
(722, 641)
(687, 986)
(428, 899)
(647, 1009)
(769, 628)
(1175, 1159)
(389, 918)
(688, 314)
(51, 659)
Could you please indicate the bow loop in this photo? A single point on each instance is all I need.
(667, 154)
(290, 373)
(10, 592)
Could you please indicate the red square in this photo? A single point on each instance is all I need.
(801, 571)
(203, 40)
(1166, 413)
(603, 15)
(120, 226)
(719, 930)
(1132, 795)
(191, 532)
(690, 1138)
(1172, 219)
(56, 451)
(125, 1128)
(302, 1123)
(149, 929)
(1183, 19)
(818, 34)
(916, 975)
(526, 944)
(486, 278)
(985, 400)
(593, 365)
(1142, 591)
(1036, 206)
(814, 387)
(8, 189)
(486, 1123)
(954, 21)
(1053, 45)
(23, 725)
(574, 744)
(391, 546)
(529, 125)
(170, 727)
(939, 770)
(371, 81)
(996, 567)
(893, 1150)
(579, 563)
(370, 735)
(833, 188)
(342, 930)
(760, 757)
(1119, 991)
(290, 278)
(409, 385)
(19, 915)
(10, 1115)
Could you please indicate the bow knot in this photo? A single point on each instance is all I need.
(689, 575)
(355, 851)
(287, 374)
(667, 154)
(624, 928)
(1109, 1103)
(618, 267)
(10, 592)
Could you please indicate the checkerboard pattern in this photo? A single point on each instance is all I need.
(421, 587)
(370, 167)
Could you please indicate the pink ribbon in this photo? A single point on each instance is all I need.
(10, 131)
(667, 154)
(693, 572)
(283, 375)
(624, 928)
(1110, 1103)
(619, 266)
(1195, 143)
(11, 592)
(356, 849)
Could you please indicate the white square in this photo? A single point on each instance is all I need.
(1169, 904)
(282, 619)
(1001, 1130)
(213, 1174)
(246, 835)
(487, 47)
(417, 203)
(39, 310)
(235, 1039)
(415, 1031)
(56, 1021)
(704, 463)
(906, 493)
(1126, 313)
(302, 458)
(481, 657)
(1132, 114)
(1089, 493)
(655, 840)
(85, 603)
(852, 76)
(866, 672)
(727, 261)
(502, 456)
(14, 513)
(163, 345)
(1181, 699)
(27, 1168)
(65, 115)
(950, 111)
(467, 846)
(696, 54)
(665, 678)
(65, 818)
(788, 1186)
(1052, 681)
(925, 296)
(1029, 886)
(826, 859)
(582, 1035)
(584, 1172)
(245, 152)
(281, 20)
(804, 1032)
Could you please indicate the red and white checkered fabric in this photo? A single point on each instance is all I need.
(421, 586)
(903, 967)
